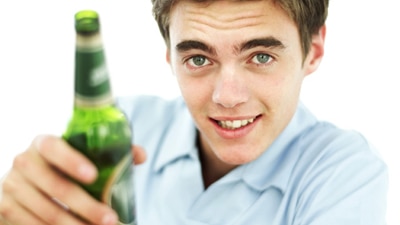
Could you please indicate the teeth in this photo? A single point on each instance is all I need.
(234, 124)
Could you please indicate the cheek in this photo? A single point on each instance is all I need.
(289, 97)
(279, 92)
(193, 91)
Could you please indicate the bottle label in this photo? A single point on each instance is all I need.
(92, 85)
(118, 191)
(92, 77)
(98, 75)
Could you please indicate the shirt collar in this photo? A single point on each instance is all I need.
(274, 166)
(180, 138)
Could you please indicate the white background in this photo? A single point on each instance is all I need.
(356, 87)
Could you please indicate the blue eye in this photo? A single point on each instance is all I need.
(261, 58)
(198, 61)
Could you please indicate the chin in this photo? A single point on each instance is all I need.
(238, 156)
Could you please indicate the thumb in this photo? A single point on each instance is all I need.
(139, 155)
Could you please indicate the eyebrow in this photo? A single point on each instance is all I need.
(267, 42)
(191, 44)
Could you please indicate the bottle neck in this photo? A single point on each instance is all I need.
(92, 84)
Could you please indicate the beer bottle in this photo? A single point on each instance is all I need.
(98, 128)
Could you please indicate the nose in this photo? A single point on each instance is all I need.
(230, 88)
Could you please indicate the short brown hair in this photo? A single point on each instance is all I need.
(309, 15)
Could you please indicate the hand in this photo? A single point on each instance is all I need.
(33, 189)
(139, 155)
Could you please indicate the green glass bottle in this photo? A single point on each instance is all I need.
(98, 128)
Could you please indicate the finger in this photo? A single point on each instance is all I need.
(37, 203)
(65, 158)
(12, 213)
(55, 185)
(139, 155)
(3, 222)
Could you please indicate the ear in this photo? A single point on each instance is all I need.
(316, 53)
(168, 56)
(169, 60)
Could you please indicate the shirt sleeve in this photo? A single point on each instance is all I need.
(346, 185)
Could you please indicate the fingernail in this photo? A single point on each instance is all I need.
(38, 142)
(109, 219)
(87, 171)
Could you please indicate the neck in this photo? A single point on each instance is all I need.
(211, 166)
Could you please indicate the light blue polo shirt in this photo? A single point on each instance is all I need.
(313, 174)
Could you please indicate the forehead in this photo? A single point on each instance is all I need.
(240, 18)
(225, 10)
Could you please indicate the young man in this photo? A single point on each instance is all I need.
(238, 148)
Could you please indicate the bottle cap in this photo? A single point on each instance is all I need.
(87, 21)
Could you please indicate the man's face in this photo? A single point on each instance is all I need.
(240, 67)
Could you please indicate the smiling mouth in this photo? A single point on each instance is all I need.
(235, 124)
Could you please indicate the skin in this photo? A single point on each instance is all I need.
(33, 178)
(221, 78)
(239, 63)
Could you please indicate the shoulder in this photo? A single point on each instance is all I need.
(318, 143)
(325, 141)
(148, 111)
(341, 171)
(328, 149)
(151, 117)
(148, 105)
